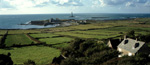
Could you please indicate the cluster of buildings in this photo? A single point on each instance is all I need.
(128, 46)
(58, 21)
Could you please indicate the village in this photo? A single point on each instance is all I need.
(62, 22)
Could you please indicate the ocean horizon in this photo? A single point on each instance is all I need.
(12, 21)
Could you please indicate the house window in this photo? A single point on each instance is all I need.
(119, 49)
(129, 54)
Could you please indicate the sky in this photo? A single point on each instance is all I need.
(77, 6)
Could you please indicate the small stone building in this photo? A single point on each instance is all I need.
(131, 47)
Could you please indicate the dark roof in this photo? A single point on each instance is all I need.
(115, 43)
(131, 45)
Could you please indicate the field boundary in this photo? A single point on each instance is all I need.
(33, 38)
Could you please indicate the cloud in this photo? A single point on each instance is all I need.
(130, 4)
(112, 2)
(23, 3)
(95, 3)
(5, 4)
(67, 2)
(102, 3)
(141, 1)
(147, 4)
(41, 3)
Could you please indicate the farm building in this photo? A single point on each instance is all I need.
(131, 47)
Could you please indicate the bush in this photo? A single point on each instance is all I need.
(96, 48)
(5, 59)
(131, 34)
(139, 59)
(29, 62)
(75, 43)
(70, 61)
(100, 57)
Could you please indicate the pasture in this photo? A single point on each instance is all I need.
(40, 54)
(2, 32)
(22, 31)
(20, 39)
(43, 35)
(56, 40)
(62, 45)
(59, 37)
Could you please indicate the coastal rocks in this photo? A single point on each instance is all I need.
(46, 22)
(60, 22)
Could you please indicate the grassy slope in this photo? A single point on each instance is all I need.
(1, 37)
(56, 40)
(102, 30)
(43, 35)
(86, 35)
(41, 55)
(20, 39)
(63, 45)
(2, 32)
(106, 32)
(22, 31)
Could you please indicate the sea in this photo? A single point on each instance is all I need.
(14, 21)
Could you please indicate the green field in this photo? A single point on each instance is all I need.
(62, 45)
(2, 32)
(1, 37)
(59, 37)
(22, 31)
(56, 40)
(20, 39)
(105, 33)
(40, 54)
(86, 35)
(43, 35)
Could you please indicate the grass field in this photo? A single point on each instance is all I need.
(43, 35)
(105, 33)
(62, 45)
(81, 27)
(56, 40)
(41, 55)
(20, 39)
(87, 35)
(2, 32)
(1, 37)
(22, 31)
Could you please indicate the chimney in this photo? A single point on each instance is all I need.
(125, 37)
(136, 40)
(120, 39)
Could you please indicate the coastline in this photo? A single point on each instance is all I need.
(63, 26)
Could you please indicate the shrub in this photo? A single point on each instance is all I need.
(29, 62)
(5, 59)
(131, 34)
(70, 61)
(100, 57)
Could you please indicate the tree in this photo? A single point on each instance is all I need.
(29, 62)
(100, 57)
(70, 61)
(5, 59)
(131, 34)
